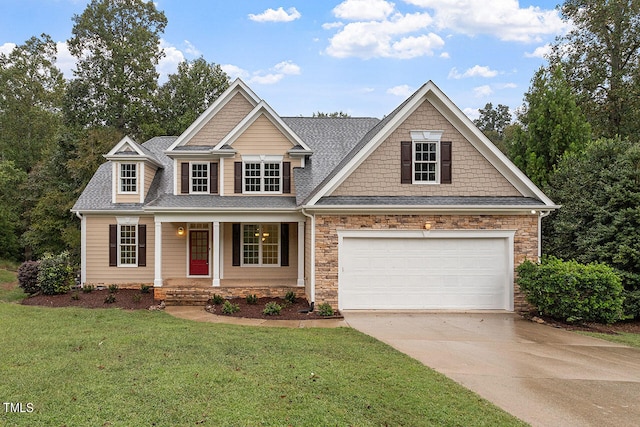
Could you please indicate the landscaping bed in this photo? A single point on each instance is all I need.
(298, 310)
(632, 326)
(128, 299)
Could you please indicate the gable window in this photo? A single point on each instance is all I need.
(199, 178)
(260, 244)
(128, 178)
(425, 159)
(262, 174)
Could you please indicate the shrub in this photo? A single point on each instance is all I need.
(75, 296)
(87, 289)
(290, 297)
(229, 308)
(272, 308)
(217, 299)
(570, 291)
(325, 309)
(110, 299)
(56, 275)
(145, 289)
(252, 299)
(631, 305)
(113, 289)
(137, 298)
(28, 276)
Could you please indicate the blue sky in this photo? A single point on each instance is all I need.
(362, 57)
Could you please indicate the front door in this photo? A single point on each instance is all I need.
(198, 252)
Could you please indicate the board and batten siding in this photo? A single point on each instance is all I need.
(97, 254)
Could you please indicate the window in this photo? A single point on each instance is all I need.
(199, 177)
(128, 178)
(127, 245)
(260, 244)
(425, 161)
(262, 175)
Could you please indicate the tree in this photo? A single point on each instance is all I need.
(339, 114)
(31, 90)
(116, 43)
(186, 95)
(493, 122)
(11, 179)
(599, 190)
(551, 125)
(600, 58)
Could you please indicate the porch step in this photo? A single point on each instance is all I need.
(200, 296)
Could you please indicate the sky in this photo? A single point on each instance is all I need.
(361, 57)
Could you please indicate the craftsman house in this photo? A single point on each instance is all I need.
(418, 210)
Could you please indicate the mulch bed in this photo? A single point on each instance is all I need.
(127, 299)
(299, 310)
(632, 326)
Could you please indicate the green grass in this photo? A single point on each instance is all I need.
(117, 368)
(626, 338)
(9, 290)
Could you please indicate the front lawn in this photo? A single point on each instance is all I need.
(118, 368)
(625, 338)
(9, 290)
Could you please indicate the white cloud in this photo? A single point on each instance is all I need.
(472, 113)
(266, 79)
(279, 15)
(332, 25)
(191, 49)
(169, 64)
(403, 90)
(504, 19)
(64, 60)
(357, 10)
(287, 67)
(7, 48)
(539, 52)
(445, 55)
(482, 91)
(475, 71)
(234, 71)
(269, 77)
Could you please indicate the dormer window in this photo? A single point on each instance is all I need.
(128, 178)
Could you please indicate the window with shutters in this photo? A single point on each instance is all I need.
(199, 178)
(127, 245)
(426, 159)
(260, 244)
(262, 174)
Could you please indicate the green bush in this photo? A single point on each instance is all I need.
(570, 291)
(325, 309)
(113, 289)
(631, 305)
(290, 297)
(56, 275)
(87, 289)
(145, 289)
(28, 276)
(229, 308)
(110, 299)
(217, 299)
(252, 299)
(272, 308)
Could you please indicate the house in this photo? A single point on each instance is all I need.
(418, 210)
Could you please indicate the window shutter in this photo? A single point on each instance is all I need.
(213, 178)
(445, 162)
(284, 244)
(184, 178)
(237, 177)
(286, 177)
(406, 162)
(142, 245)
(236, 244)
(113, 245)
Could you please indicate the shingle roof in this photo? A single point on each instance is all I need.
(427, 201)
(170, 201)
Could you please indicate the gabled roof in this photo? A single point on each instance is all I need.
(128, 149)
(238, 86)
(377, 135)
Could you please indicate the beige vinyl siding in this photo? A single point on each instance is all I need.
(223, 122)
(174, 251)
(149, 174)
(97, 256)
(472, 174)
(269, 273)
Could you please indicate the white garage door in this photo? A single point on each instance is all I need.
(425, 270)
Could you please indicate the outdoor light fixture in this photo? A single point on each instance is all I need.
(180, 231)
(427, 225)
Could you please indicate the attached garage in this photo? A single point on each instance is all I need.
(413, 269)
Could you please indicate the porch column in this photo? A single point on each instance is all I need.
(157, 263)
(300, 253)
(216, 253)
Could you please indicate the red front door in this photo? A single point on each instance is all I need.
(199, 252)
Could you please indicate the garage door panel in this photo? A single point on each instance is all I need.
(414, 273)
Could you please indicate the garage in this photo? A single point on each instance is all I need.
(415, 269)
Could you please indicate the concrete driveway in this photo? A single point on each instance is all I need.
(542, 375)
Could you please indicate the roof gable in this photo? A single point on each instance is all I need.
(129, 150)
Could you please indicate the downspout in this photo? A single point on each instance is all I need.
(540, 216)
(83, 249)
(312, 261)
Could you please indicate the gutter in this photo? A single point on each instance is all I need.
(478, 209)
(312, 261)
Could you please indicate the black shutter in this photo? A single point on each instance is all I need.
(184, 178)
(237, 177)
(142, 245)
(113, 245)
(213, 178)
(406, 162)
(284, 244)
(286, 177)
(236, 244)
(445, 162)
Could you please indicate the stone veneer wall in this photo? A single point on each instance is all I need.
(525, 241)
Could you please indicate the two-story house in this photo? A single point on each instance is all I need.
(418, 210)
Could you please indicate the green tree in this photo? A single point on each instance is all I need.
(31, 90)
(338, 114)
(186, 95)
(600, 57)
(11, 179)
(599, 190)
(116, 43)
(551, 125)
(493, 122)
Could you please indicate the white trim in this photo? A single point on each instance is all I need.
(176, 173)
(157, 266)
(208, 168)
(413, 162)
(260, 250)
(262, 160)
(133, 224)
(301, 250)
(216, 253)
(114, 182)
(119, 179)
(221, 176)
(141, 181)
(83, 250)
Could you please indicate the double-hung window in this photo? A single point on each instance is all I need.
(262, 174)
(199, 177)
(127, 245)
(128, 178)
(426, 157)
(260, 244)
